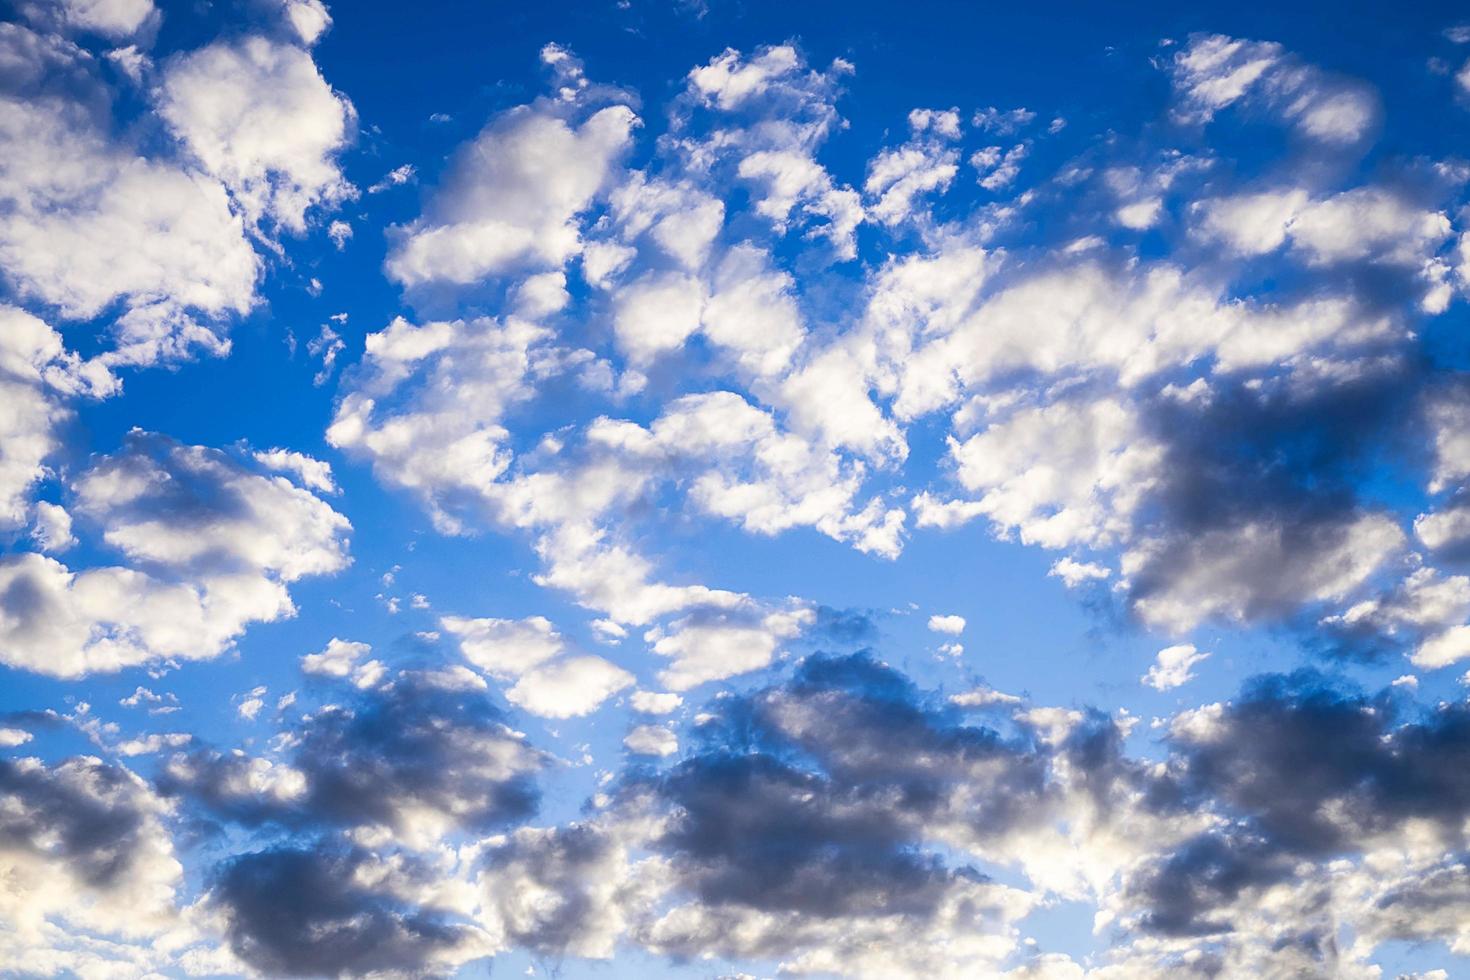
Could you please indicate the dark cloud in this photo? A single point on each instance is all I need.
(306, 912)
(813, 797)
(1292, 744)
(413, 744)
(1303, 771)
(82, 814)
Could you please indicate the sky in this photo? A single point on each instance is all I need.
(734, 489)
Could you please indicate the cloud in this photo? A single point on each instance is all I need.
(322, 911)
(344, 659)
(651, 740)
(117, 20)
(212, 547)
(313, 474)
(529, 652)
(412, 756)
(512, 197)
(1213, 72)
(773, 114)
(655, 702)
(87, 861)
(260, 118)
(92, 223)
(953, 625)
(569, 687)
(713, 644)
(37, 374)
(1173, 667)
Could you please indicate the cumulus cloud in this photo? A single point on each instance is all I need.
(953, 625)
(88, 862)
(529, 653)
(653, 740)
(413, 755)
(92, 223)
(513, 196)
(212, 547)
(259, 117)
(313, 911)
(37, 374)
(1173, 667)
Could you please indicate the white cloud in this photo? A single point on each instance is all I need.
(898, 177)
(36, 376)
(652, 740)
(52, 532)
(448, 439)
(343, 659)
(714, 645)
(776, 114)
(513, 196)
(729, 80)
(655, 702)
(308, 18)
(953, 625)
(1443, 649)
(115, 19)
(13, 737)
(1074, 573)
(258, 116)
(88, 865)
(1214, 72)
(313, 474)
(505, 648)
(214, 544)
(568, 687)
(1173, 667)
(1063, 474)
(90, 223)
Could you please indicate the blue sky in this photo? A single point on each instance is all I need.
(734, 489)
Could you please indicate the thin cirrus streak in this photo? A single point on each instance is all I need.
(708, 489)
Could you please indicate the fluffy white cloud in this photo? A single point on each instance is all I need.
(91, 223)
(898, 178)
(1061, 475)
(314, 474)
(1443, 649)
(88, 865)
(344, 658)
(530, 653)
(1364, 224)
(213, 544)
(568, 687)
(258, 116)
(505, 648)
(653, 740)
(953, 625)
(114, 19)
(513, 196)
(36, 375)
(773, 115)
(52, 532)
(1448, 415)
(711, 645)
(655, 702)
(1174, 667)
(446, 438)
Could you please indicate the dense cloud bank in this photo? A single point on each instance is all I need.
(838, 820)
